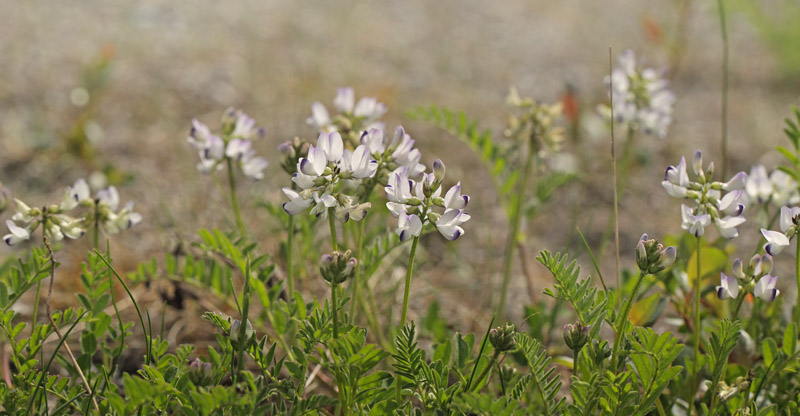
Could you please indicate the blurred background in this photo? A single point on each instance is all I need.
(107, 87)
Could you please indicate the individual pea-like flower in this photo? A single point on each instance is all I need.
(641, 97)
(694, 224)
(778, 240)
(728, 288)
(710, 204)
(234, 144)
(353, 118)
(652, 257)
(395, 154)
(16, 235)
(416, 209)
(106, 204)
(765, 288)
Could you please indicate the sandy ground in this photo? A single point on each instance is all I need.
(172, 61)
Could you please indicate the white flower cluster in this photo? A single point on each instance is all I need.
(235, 144)
(711, 205)
(777, 187)
(320, 172)
(415, 210)
(756, 277)
(360, 116)
(641, 97)
(57, 224)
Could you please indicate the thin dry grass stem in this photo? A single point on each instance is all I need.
(614, 173)
(523, 259)
(58, 331)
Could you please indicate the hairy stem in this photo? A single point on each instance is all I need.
(332, 224)
(408, 281)
(697, 329)
(57, 330)
(513, 229)
(622, 319)
(357, 273)
(725, 60)
(289, 264)
(234, 198)
(334, 312)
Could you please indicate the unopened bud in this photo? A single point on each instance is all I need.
(200, 372)
(503, 338)
(235, 333)
(576, 335)
(737, 269)
(438, 170)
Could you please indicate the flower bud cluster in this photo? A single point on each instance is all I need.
(503, 338)
(536, 121)
(234, 144)
(353, 118)
(337, 267)
(778, 187)
(413, 211)
(103, 212)
(576, 335)
(321, 171)
(290, 151)
(236, 336)
(778, 240)
(755, 276)
(640, 96)
(201, 373)
(652, 257)
(710, 203)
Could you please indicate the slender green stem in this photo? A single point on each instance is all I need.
(234, 198)
(576, 355)
(485, 370)
(332, 224)
(725, 60)
(36, 303)
(622, 319)
(697, 329)
(408, 281)
(797, 276)
(289, 264)
(513, 230)
(96, 231)
(334, 308)
(357, 273)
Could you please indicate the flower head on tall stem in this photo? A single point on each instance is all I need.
(233, 145)
(755, 276)
(641, 96)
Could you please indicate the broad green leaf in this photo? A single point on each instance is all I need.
(790, 339)
(646, 311)
(770, 351)
(712, 260)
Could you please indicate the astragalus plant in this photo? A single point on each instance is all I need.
(319, 327)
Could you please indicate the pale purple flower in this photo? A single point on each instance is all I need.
(787, 217)
(16, 235)
(359, 162)
(776, 241)
(322, 203)
(408, 226)
(765, 288)
(253, 166)
(728, 288)
(453, 198)
(297, 203)
(676, 180)
(694, 224)
(449, 224)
